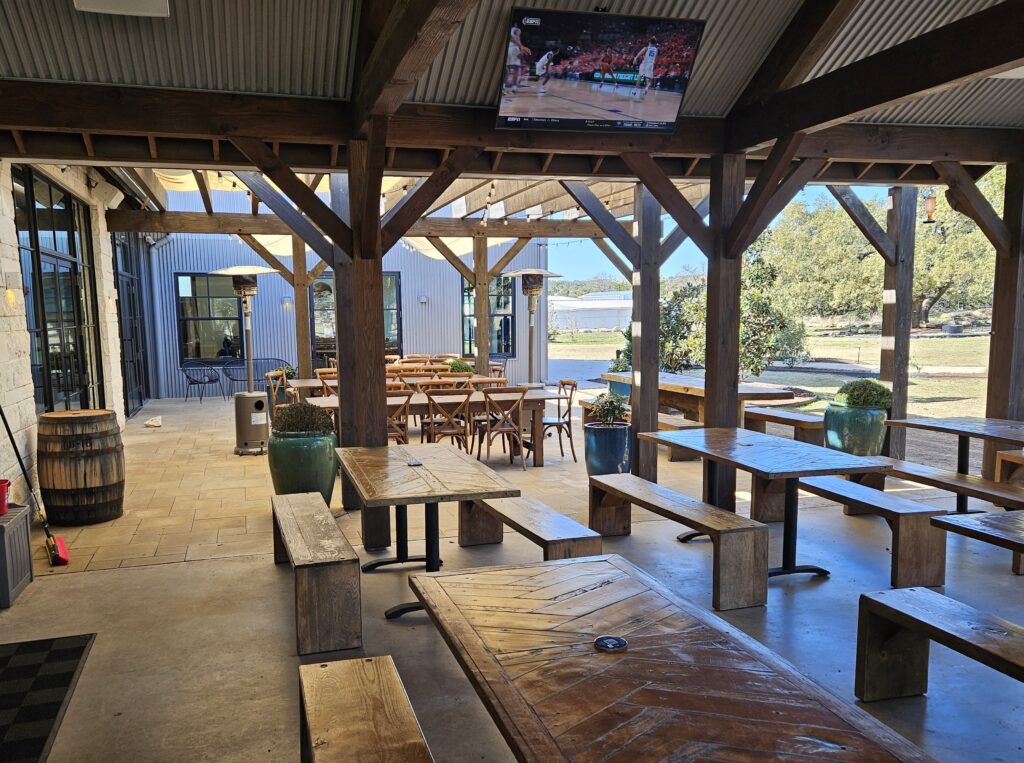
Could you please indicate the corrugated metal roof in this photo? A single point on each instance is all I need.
(985, 103)
(738, 35)
(287, 47)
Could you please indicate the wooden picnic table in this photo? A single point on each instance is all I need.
(776, 465)
(534, 403)
(689, 686)
(305, 387)
(427, 474)
(965, 428)
(686, 393)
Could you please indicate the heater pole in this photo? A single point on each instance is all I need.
(534, 298)
(249, 371)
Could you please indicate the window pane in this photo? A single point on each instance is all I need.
(44, 216)
(184, 286)
(211, 339)
(390, 293)
(194, 307)
(21, 210)
(30, 293)
(222, 307)
(219, 286)
(61, 220)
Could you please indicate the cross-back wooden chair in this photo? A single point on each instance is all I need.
(425, 385)
(332, 362)
(563, 421)
(503, 417)
(389, 359)
(325, 375)
(482, 382)
(398, 405)
(395, 385)
(496, 366)
(278, 387)
(448, 416)
(461, 379)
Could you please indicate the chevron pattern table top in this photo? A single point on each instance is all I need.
(411, 474)
(689, 686)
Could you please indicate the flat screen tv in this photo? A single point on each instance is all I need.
(567, 70)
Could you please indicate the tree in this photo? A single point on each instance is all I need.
(565, 287)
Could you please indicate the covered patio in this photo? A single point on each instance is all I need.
(370, 128)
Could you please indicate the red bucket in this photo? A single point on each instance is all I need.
(5, 489)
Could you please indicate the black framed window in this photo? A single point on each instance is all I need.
(209, 318)
(502, 299)
(322, 302)
(55, 247)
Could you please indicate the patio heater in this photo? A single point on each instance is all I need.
(252, 428)
(532, 280)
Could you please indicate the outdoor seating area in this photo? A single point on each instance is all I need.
(467, 381)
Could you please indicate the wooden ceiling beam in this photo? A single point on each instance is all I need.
(798, 177)
(416, 202)
(267, 256)
(146, 188)
(604, 220)
(965, 197)
(977, 46)
(298, 192)
(453, 258)
(624, 268)
(865, 222)
(798, 49)
(414, 32)
(517, 246)
(677, 236)
(204, 190)
(678, 208)
(775, 168)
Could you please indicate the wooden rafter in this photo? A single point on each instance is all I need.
(798, 49)
(204, 190)
(452, 257)
(314, 182)
(678, 208)
(145, 187)
(865, 221)
(416, 202)
(677, 235)
(90, 150)
(965, 197)
(790, 186)
(254, 203)
(268, 257)
(623, 267)
(298, 192)
(517, 246)
(151, 144)
(316, 270)
(977, 46)
(414, 32)
(603, 219)
(289, 219)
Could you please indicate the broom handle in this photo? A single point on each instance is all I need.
(24, 471)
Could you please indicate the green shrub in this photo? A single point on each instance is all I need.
(459, 366)
(609, 407)
(620, 364)
(864, 393)
(303, 417)
(289, 372)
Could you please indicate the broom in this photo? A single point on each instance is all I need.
(56, 548)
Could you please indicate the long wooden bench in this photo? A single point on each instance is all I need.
(357, 710)
(740, 560)
(895, 629)
(807, 427)
(999, 493)
(918, 548)
(1005, 529)
(327, 601)
(480, 522)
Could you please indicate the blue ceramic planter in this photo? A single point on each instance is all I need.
(608, 448)
(859, 431)
(303, 462)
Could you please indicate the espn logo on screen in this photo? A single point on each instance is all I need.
(531, 21)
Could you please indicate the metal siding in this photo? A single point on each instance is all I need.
(738, 35)
(288, 47)
(985, 103)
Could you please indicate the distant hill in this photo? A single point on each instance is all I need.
(566, 287)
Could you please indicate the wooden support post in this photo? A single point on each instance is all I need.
(722, 361)
(481, 305)
(1005, 398)
(646, 324)
(897, 308)
(303, 340)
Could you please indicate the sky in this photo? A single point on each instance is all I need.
(579, 259)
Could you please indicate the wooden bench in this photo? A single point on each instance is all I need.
(807, 427)
(740, 563)
(999, 493)
(1005, 529)
(357, 710)
(895, 629)
(918, 548)
(480, 522)
(327, 605)
(666, 421)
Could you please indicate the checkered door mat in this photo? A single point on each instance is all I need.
(37, 679)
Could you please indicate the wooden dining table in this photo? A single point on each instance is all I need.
(776, 465)
(426, 474)
(689, 686)
(686, 393)
(966, 428)
(534, 403)
(305, 387)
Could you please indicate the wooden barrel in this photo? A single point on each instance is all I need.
(81, 466)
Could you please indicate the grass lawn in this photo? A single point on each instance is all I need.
(945, 351)
(592, 345)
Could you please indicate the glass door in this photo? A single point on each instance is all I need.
(133, 347)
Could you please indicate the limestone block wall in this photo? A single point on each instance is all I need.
(16, 393)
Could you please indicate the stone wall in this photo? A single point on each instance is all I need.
(16, 393)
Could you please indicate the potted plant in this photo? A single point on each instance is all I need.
(457, 366)
(608, 439)
(301, 451)
(855, 418)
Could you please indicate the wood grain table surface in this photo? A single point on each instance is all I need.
(995, 430)
(689, 687)
(694, 385)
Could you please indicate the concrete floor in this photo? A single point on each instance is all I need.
(195, 660)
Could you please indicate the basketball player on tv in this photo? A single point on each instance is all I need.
(513, 61)
(544, 65)
(605, 66)
(646, 58)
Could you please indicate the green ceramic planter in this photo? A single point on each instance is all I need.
(303, 462)
(859, 431)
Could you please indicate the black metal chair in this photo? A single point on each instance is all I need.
(235, 371)
(201, 375)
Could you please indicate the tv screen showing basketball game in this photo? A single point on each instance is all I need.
(566, 70)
